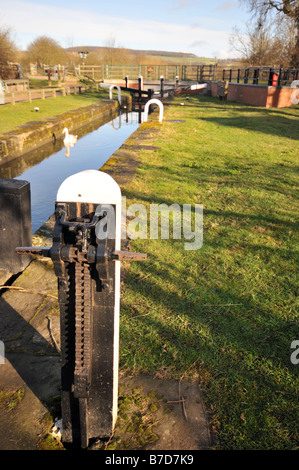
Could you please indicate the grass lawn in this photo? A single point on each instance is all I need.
(224, 315)
(13, 116)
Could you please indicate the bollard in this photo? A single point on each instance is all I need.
(86, 256)
(2, 92)
(15, 224)
(140, 82)
(162, 87)
(140, 79)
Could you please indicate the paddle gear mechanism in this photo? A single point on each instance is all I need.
(87, 268)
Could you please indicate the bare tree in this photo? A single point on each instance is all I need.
(45, 50)
(290, 8)
(265, 43)
(8, 51)
(113, 53)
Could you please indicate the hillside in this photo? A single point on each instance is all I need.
(178, 55)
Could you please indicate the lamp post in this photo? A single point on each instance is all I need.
(83, 55)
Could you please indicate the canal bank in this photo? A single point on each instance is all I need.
(36, 134)
(31, 332)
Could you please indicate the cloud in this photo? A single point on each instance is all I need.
(88, 28)
(222, 54)
(226, 6)
(198, 44)
(180, 4)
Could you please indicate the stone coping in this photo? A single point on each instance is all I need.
(35, 134)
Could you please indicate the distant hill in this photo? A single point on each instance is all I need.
(135, 52)
(154, 57)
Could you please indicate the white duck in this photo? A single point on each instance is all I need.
(69, 139)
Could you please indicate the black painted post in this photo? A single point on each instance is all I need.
(162, 86)
(126, 80)
(139, 88)
(270, 78)
(246, 75)
(15, 225)
(279, 77)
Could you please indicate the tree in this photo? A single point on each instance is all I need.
(265, 43)
(8, 52)
(290, 8)
(113, 53)
(46, 51)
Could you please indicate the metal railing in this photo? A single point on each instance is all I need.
(268, 76)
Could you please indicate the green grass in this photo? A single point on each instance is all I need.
(39, 83)
(13, 116)
(9, 400)
(224, 315)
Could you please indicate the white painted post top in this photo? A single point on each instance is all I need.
(295, 84)
(91, 186)
(94, 187)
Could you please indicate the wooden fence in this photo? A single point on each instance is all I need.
(42, 94)
(148, 72)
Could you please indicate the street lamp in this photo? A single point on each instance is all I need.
(83, 55)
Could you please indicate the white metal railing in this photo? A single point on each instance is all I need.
(119, 92)
(146, 109)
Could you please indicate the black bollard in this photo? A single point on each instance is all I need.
(162, 86)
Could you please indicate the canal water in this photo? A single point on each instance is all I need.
(45, 169)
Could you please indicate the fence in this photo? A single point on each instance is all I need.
(15, 85)
(42, 94)
(261, 76)
(149, 72)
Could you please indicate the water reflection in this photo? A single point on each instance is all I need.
(119, 123)
(46, 168)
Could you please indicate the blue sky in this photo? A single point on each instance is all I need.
(199, 27)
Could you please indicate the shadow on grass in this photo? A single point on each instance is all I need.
(274, 121)
(260, 218)
(229, 342)
(276, 125)
(223, 314)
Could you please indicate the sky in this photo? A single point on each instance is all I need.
(201, 27)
